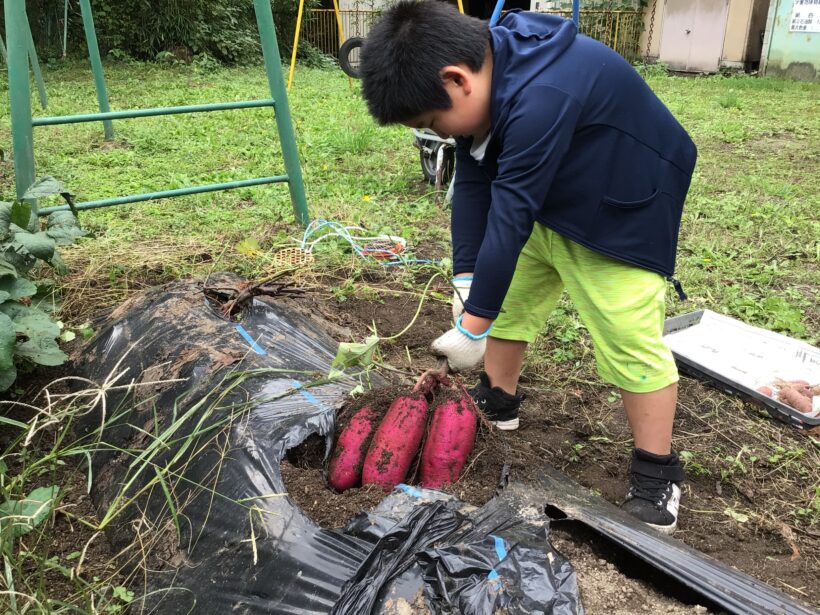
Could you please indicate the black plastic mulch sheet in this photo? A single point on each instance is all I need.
(189, 465)
(494, 559)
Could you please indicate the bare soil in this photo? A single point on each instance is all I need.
(742, 461)
(570, 420)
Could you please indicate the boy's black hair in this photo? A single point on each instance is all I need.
(404, 52)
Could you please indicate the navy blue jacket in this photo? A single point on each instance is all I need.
(580, 144)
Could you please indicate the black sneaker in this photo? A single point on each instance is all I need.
(654, 491)
(500, 407)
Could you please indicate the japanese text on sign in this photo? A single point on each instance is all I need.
(805, 16)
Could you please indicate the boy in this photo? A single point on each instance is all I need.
(569, 173)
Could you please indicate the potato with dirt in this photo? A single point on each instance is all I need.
(449, 442)
(345, 470)
(396, 442)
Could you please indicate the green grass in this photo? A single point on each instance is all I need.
(749, 247)
(750, 238)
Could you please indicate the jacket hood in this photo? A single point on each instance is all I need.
(523, 45)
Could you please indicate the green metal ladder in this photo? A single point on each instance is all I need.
(22, 123)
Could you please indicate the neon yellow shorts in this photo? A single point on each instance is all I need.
(622, 306)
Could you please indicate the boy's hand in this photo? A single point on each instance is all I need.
(461, 290)
(461, 346)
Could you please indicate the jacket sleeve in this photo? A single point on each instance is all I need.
(534, 139)
(471, 203)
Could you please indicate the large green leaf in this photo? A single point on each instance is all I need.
(11, 288)
(7, 378)
(7, 270)
(64, 228)
(16, 255)
(41, 346)
(34, 323)
(21, 260)
(45, 187)
(43, 351)
(8, 341)
(5, 218)
(19, 517)
(352, 353)
(15, 309)
(21, 214)
(39, 244)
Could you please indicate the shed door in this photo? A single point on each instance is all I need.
(692, 35)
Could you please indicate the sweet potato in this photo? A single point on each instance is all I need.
(815, 390)
(801, 386)
(395, 442)
(345, 469)
(449, 443)
(765, 390)
(791, 397)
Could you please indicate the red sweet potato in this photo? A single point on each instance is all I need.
(449, 443)
(801, 386)
(798, 383)
(395, 442)
(765, 390)
(791, 397)
(345, 469)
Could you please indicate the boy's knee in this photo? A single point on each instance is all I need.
(635, 361)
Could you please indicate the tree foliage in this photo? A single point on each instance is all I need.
(223, 29)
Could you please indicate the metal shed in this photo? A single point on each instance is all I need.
(791, 47)
(705, 35)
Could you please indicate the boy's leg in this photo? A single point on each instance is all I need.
(650, 417)
(533, 293)
(502, 362)
(623, 307)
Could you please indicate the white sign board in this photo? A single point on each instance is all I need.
(805, 16)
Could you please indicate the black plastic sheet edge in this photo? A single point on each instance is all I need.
(731, 589)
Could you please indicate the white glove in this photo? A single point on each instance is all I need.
(461, 286)
(462, 349)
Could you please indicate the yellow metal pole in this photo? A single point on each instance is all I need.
(460, 7)
(295, 42)
(617, 24)
(339, 22)
(338, 15)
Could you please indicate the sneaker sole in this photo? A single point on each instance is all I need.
(664, 529)
(510, 425)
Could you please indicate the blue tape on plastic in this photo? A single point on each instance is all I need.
(256, 347)
(307, 394)
(501, 551)
(409, 490)
(500, 547)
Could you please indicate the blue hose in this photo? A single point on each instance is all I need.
(496, 12)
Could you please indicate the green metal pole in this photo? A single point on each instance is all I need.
(35, 67)
(276, 83)
(166, 194)
(96, 65)
(20, 96)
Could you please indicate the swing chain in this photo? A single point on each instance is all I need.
(651, 31)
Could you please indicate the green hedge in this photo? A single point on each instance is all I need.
(224, 29)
